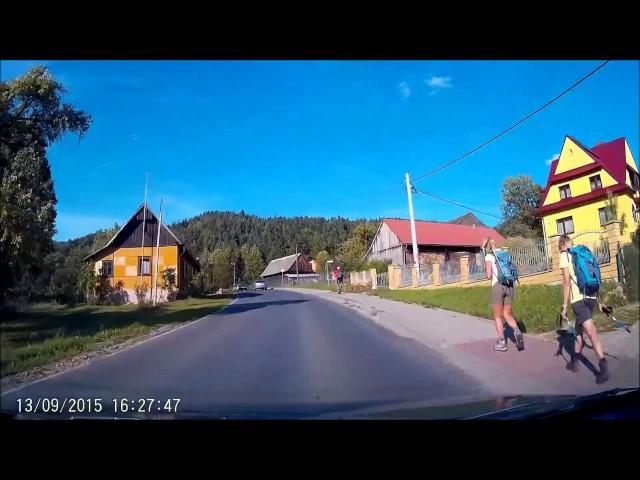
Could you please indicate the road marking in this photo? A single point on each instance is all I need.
(49, 377)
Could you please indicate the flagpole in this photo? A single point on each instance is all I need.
(144, 222)
(155, 298)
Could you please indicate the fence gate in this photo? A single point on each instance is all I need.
(476, 267)
(405, 276)
(426, 274)
(450, 271)
(533, 257)
(382, 279)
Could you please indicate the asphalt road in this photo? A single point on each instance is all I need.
(275, 354)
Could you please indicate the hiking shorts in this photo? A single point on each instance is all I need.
(502, 295)
(583, 310)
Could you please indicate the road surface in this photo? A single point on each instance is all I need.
(271, 354)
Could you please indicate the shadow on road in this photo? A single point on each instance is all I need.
(566, 342)
(246, 307)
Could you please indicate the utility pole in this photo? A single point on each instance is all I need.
(416, 257)
(155, 282)
(144, 223)
(297, 276)
(234, 273)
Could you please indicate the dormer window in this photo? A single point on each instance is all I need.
(565, 191)
(595, 182)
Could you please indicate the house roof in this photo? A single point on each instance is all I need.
(609, 156)
(277, 265)
(119, 234)
(467, 219)
(443, 234)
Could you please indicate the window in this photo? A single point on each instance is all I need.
(565, 191)
(636, 213)
(107, 268)
(565, 226)
(595, 182)
(606, 215)
(635, 180)
(144, 265)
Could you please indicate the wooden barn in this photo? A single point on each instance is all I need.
(282, 271)
(437, 241)
(124, 260)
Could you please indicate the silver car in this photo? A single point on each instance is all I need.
(260, 285)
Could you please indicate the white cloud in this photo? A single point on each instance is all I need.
(439, 82)
(405, 90)
(555, 157)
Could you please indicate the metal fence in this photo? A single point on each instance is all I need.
(596, 242)
(382, 279)
(450, 271)
(405, 276)
(425, 276)
(477, 267)
(533, 257)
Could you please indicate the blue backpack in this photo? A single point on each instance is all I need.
(507, 271)
(587, 270)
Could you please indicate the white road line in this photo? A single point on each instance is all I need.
(49, 377)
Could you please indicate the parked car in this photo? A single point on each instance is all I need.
(241, 287)
(260, 285)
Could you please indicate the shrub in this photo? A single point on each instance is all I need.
(169, 283)
(380, 265)
(612, 293)
(141, 293)
(631, 255)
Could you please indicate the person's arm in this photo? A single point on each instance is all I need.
(488, 267)
(566, 284)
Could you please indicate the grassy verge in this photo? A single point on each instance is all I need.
(45, 333)
(536, 306)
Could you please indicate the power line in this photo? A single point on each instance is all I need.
(456, 203)
(495, 137)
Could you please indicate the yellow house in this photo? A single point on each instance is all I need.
(123, 259)
(580, 182)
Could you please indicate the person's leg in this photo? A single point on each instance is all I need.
(573, 363)
(508, 316)
(591, 330)
(497, 316)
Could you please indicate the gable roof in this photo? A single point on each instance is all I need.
(442, 234)
(278, 264)
(118, 236)
(609, 156)
(467, 219)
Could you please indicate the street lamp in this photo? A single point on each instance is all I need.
(282, 273)
(327, 269)
(234, 273)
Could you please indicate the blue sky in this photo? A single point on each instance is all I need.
(318, 138)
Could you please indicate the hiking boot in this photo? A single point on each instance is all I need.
(572, 365)
(500, 346)
(603, 376)
(519, 339)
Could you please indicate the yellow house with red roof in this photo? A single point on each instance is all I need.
(576, 197)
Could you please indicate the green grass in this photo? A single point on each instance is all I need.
(46, 333)
(536, 306)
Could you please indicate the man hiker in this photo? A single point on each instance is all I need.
(499, 268)
(582, 306)
(339, 279)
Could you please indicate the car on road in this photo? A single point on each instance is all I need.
(241, 287)
(260, 285)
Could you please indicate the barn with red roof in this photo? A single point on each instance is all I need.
(437, 241)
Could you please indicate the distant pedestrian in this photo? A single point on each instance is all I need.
(582, 303)
(339, 279)
(503, 274)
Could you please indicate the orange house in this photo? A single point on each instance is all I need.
(123, 259)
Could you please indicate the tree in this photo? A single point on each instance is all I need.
(219, 264)
(253, 263)
(88, 281)
(352, 251)
(520, 207)
(32, 117)
(321, 259)
(169, 283)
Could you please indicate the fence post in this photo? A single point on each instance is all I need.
(612, 236)
(351, 278)
(554, 252)
(374, 278)
(391, 277)
(436, 274)
(464, 268)
(414, 277)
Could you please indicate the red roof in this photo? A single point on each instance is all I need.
(443, 234)
(610, 156)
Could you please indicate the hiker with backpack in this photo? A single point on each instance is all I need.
(580, 285)
(339, 274)
(503, 273)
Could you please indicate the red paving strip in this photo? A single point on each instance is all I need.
(537, 361)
